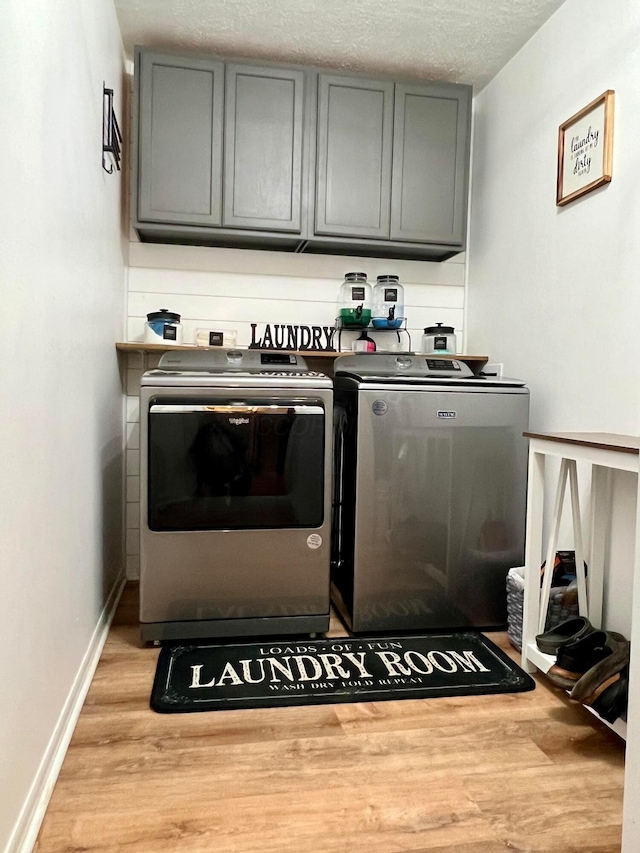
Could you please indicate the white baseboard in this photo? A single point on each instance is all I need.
(28, 824)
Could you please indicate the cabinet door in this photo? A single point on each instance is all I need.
(430, 163)
(353, 175)
(263, 148)
(180, 140)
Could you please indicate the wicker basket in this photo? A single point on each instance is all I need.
(515, 606)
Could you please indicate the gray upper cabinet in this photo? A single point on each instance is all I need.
(354, 147)
(253, 156)
(392, 161)
(263, 135)
(430, 163)
(180, 140)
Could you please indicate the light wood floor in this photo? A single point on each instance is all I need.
(479, 774)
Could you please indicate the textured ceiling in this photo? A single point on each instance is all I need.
(462, 41)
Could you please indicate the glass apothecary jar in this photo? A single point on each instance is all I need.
(388, 302)
(163, 327)
(440, 339)
(354, 304)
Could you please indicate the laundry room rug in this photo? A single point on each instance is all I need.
(207, 677)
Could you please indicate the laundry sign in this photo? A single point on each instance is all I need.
(285, 337)
(585, 149)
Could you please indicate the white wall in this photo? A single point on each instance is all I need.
(554, 292)
(62, 279)
(231, 288)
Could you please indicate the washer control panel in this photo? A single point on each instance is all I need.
(405, 364)
(443, 364)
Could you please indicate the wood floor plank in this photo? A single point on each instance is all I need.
(133, 722)
(325, 820)
(230, 770)
(600, 839)
(528, 772)
(566, 737)
(383, 716)
(567, 804)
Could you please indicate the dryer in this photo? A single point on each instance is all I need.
(430, 492)
(236, 455)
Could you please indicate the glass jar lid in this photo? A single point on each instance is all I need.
(164, 314)
(439, 329)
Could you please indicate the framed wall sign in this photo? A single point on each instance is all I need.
(585, 149)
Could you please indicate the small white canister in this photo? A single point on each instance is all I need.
(163, 327)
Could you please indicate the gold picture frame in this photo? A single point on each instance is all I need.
(584, 162)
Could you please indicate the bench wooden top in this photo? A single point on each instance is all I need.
(602, 440)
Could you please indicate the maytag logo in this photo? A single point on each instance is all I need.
(445, 414)
(238, 421)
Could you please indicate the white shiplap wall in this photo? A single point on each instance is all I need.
(231, 288)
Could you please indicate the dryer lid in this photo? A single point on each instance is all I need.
(226, 360)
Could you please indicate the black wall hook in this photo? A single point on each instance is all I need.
(111, 136)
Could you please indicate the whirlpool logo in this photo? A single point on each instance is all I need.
(447, 414)
(238, 421)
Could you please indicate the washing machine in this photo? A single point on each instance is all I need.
(236, 456)
(430, 492)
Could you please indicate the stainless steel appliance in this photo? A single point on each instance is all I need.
(235, 502)
(430, 492)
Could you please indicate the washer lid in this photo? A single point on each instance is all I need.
(410, 368)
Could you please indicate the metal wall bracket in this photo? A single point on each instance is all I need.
(111, 136)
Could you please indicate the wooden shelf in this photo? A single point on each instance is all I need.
(140, 346)
(318, 360)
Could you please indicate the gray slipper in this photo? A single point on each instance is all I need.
(566, 632)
